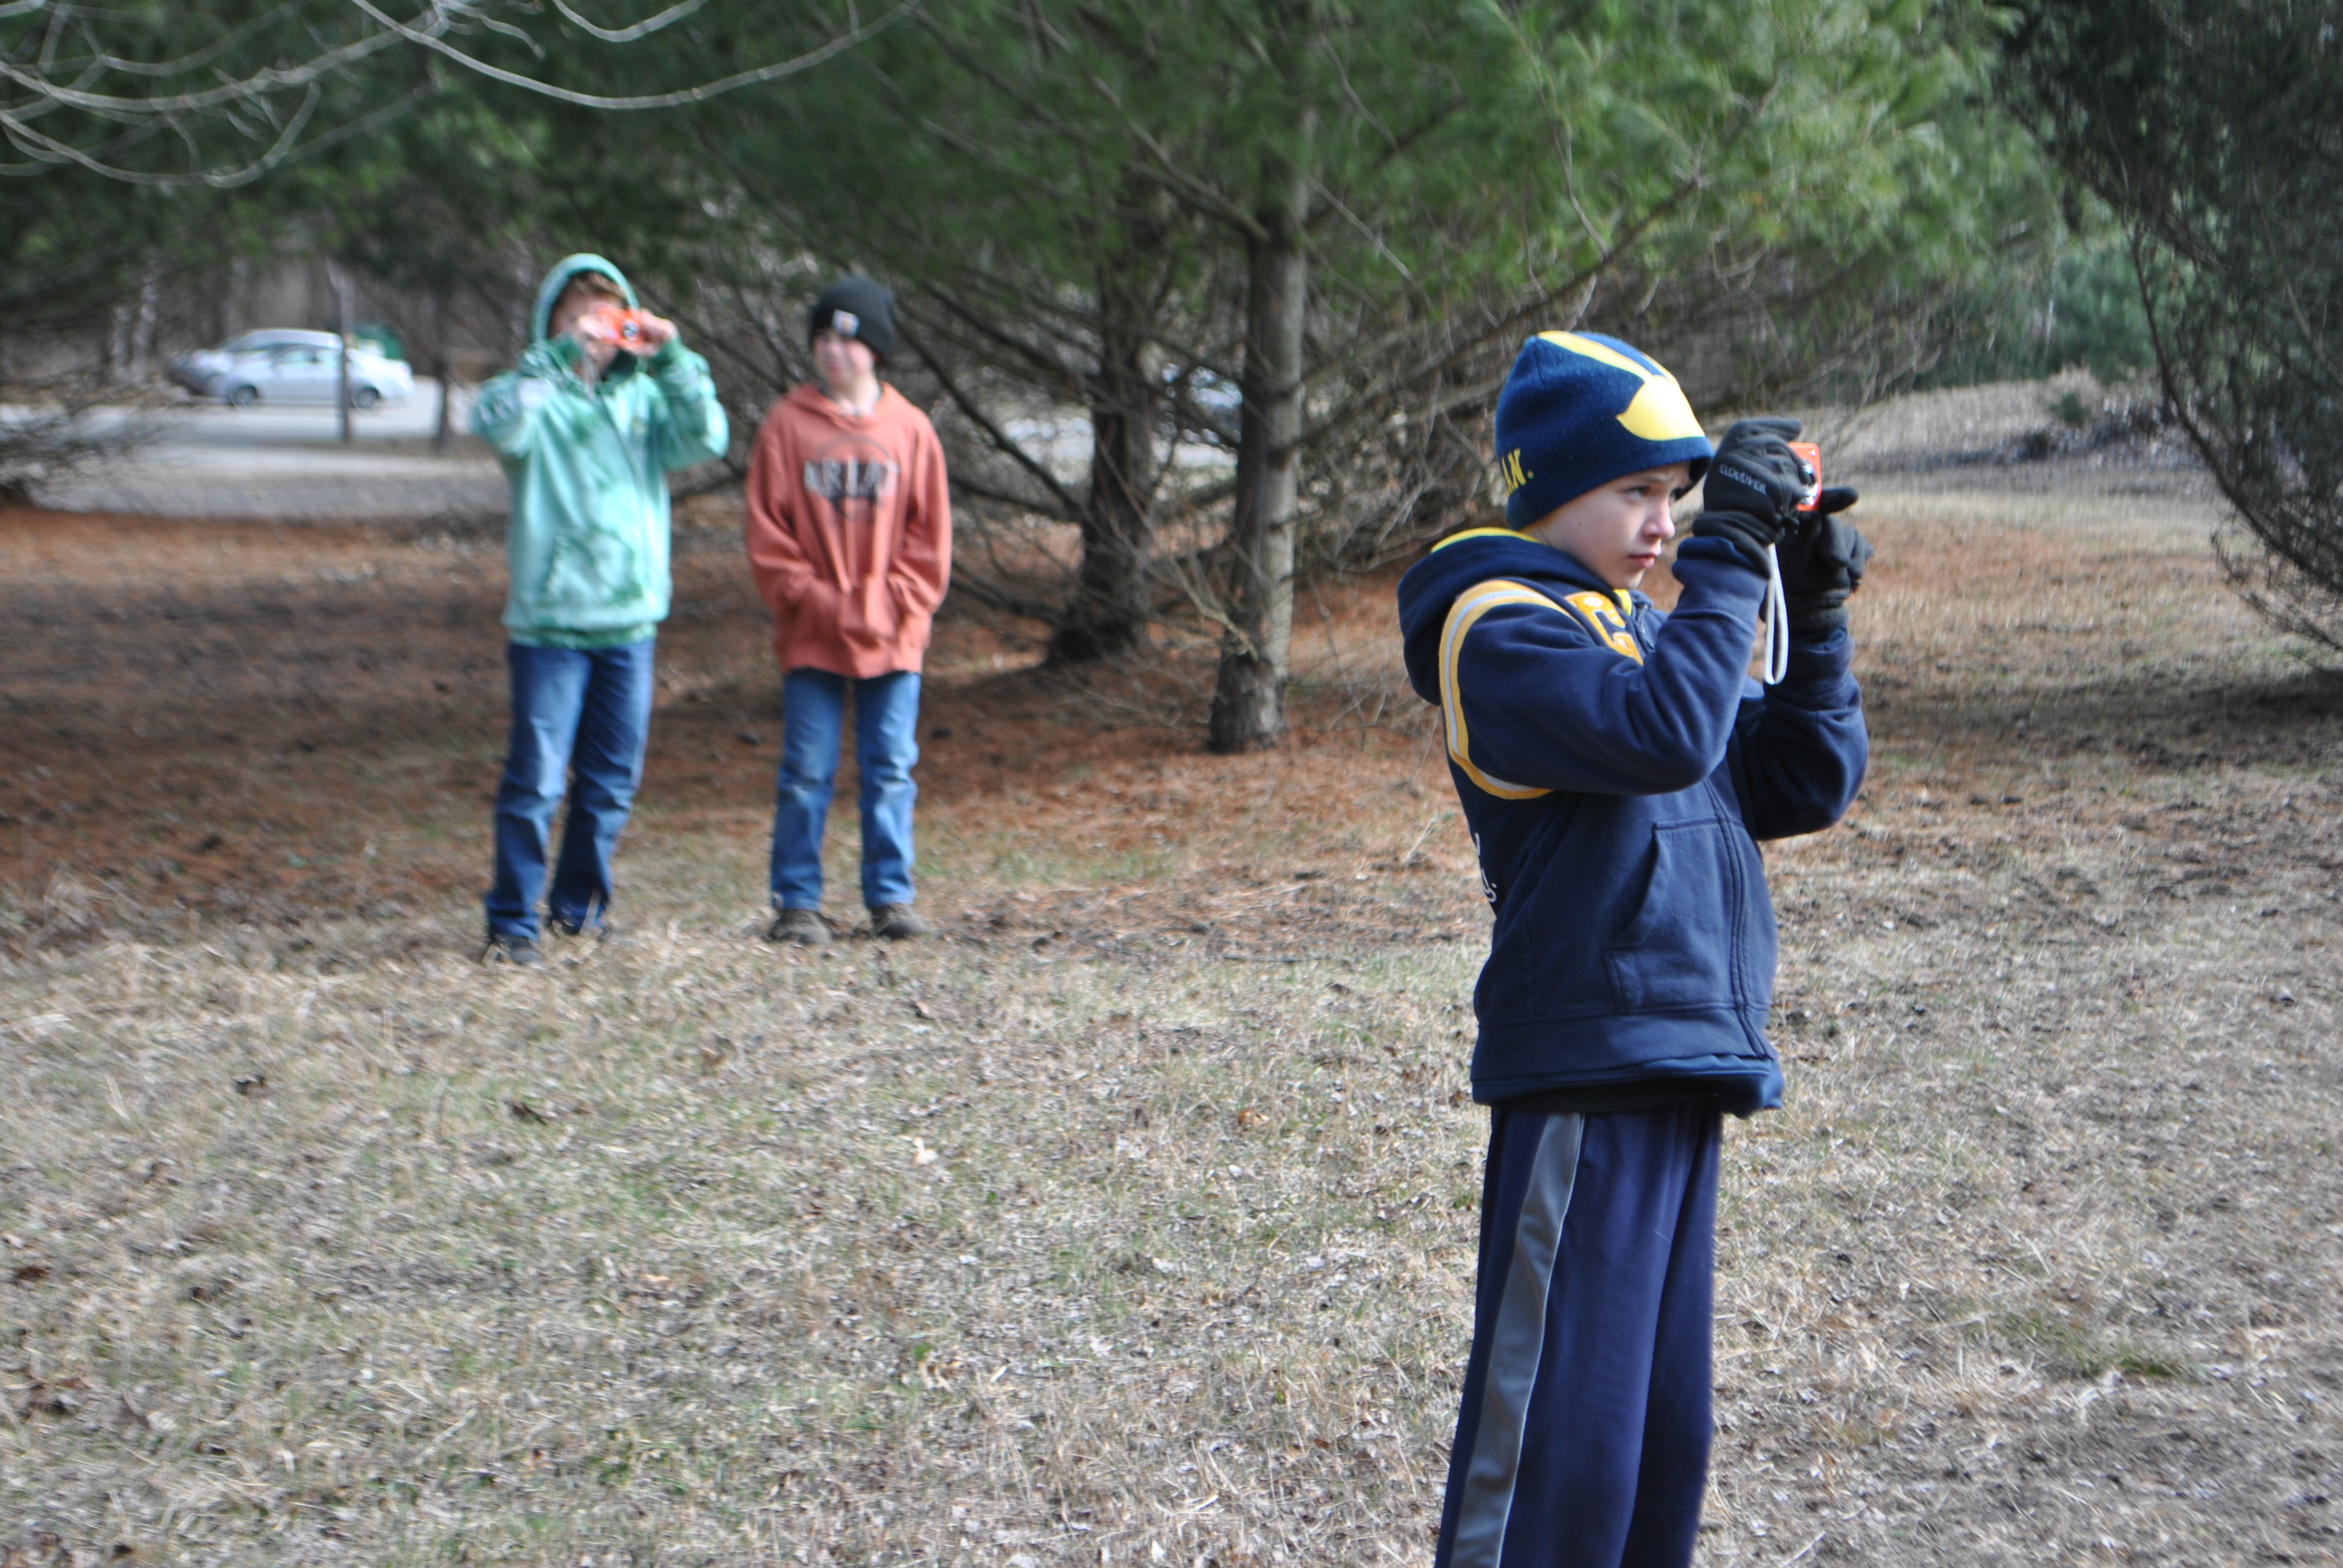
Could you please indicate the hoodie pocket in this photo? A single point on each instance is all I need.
(866, 617)
(1682, 947)
(813, 618)
(589, 572)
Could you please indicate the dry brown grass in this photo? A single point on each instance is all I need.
(1133, 1221)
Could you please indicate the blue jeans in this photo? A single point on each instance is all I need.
(886, 748)
(593, 707)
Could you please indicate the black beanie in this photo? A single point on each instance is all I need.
(855, 307)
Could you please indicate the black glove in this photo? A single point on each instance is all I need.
(1822, 559)
(1752, 488)
(1742, 430)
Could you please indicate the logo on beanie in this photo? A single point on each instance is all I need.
(1658, 411)
(845, 323)
(1515, 475)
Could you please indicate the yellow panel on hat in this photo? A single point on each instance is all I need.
(1659, 411)
(1601, 352)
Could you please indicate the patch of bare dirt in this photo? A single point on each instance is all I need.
(275, 722)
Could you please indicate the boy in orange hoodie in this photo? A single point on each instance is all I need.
(850, 535)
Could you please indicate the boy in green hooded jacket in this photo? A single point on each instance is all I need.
(588, 426)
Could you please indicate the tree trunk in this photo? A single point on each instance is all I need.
(118, 344)
(1111, 608)
(1249, 697)
(341, 286)
(143, 326)
(441, 433)
(226, 301)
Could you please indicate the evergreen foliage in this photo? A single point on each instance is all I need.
(2081, 311)
(1271, 258)
(2214, 130)
(1079, 200)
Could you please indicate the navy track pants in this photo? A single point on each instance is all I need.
(1584, 1433)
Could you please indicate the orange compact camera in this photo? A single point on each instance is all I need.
(630, 327)
(1811, 453)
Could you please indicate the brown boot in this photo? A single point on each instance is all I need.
(806, 928)
(518, 952)
(899, 922)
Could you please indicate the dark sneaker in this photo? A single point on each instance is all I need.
(518, 952)
(600, 930)
(806, 928)
(897, 922)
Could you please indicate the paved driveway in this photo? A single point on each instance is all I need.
(207, 461)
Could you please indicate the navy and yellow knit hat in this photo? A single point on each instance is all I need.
(1579, 409)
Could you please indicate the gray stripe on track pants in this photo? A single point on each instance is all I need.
(1516, 1347)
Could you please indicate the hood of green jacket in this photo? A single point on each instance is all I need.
(540, 317)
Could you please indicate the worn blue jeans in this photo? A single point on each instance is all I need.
(581, 718)
(886, 747)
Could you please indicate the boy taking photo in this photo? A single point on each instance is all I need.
(1617, 767)
(587, 430)
(850, 537)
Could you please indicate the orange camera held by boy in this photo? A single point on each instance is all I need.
(1811, 453)
(630, 329)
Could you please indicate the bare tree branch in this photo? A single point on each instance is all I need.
(1071, 506)
(642, 29)
(48, 152)
(428, 38)
(69, 71)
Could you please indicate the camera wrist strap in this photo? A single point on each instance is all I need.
(1777, 621)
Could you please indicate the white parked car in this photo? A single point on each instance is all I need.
(287, 365)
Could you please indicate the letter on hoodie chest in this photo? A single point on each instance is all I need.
(851, 479)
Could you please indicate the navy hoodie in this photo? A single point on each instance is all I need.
(1617, 765)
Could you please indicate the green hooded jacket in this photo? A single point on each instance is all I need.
(588, 545)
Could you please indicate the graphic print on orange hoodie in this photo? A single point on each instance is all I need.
(849, 532)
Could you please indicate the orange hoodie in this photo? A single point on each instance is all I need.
(850, 532)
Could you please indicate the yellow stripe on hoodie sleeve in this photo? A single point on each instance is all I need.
(1470, 606)
(1479, 534)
